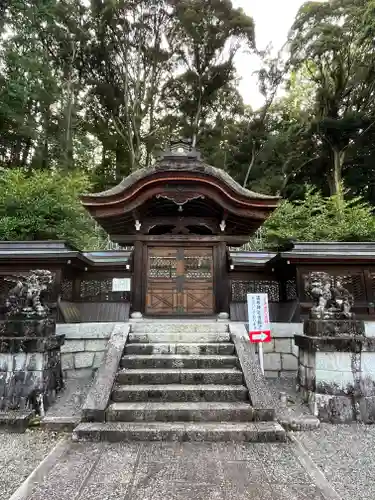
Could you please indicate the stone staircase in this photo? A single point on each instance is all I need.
(181, 382)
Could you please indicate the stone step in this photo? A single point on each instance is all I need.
(180, 431)
(181, 348)
(160, 326)
(179, 392)
(165, 337)
(180, 412)
(227, 376)
(178, 361)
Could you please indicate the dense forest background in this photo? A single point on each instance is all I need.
(91, 91)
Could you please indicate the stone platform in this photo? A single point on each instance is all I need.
(336, 373)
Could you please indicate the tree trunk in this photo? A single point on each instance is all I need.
(338, 162)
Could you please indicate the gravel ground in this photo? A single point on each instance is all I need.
(19, 455)
(346, 455)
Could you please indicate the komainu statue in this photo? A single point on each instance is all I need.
(330, 302)
(24, 299)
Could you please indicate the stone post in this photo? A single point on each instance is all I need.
(336, 365)
(30, 360)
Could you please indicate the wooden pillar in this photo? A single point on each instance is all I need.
(138, 277)
(221, 278)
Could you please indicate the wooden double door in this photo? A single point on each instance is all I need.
(179, 281)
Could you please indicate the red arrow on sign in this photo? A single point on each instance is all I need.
(260, 336)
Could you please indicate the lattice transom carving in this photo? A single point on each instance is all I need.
(241, 288)
(100, 291)
(198, 267)
(291, 290)
(162, 267)
(66, 291)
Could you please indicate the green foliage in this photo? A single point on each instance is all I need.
(44, 206)
(317, 218)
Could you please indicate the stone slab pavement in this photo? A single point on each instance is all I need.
(177, 471)
(19, 455)
(346, 456)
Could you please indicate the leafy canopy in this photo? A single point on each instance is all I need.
(317, 218)
(44, 206)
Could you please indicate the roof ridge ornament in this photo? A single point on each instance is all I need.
(181, 149)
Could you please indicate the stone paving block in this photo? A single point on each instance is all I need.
(201, 470)
(244, 472)
(249, 491)
(107, 491)
(296, 492)
(65, 480)
(182, 491)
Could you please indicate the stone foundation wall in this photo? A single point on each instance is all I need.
(281, 354)
(84, 348)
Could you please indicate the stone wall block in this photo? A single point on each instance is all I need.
(283, 346)
(301, 378)
(271, 373)
(67, 361)
(295, 349)
(73, 346)
(99, 356)
(334, 361)
(86, 330)
(36, 361)
(83, 359)
(289, 362)
(367, 386)
(334, 382)
(370, 329)
(368, 364)
(310, 379)
(6, 362)
(95, 345)
(272, 361)
(267, 347)
(76, 374)
(19, 361)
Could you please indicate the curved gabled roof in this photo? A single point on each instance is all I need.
(171, 165)
(179, 178)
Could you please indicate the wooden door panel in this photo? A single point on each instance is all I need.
(180, 281)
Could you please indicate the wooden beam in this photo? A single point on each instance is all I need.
(179, 238)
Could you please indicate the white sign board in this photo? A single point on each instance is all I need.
(121, 284)
(259, 321)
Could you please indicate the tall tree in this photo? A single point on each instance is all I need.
(330, 41)
(210, 33)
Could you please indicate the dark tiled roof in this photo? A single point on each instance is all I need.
(184, 164)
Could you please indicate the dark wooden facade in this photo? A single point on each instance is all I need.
(83, 281)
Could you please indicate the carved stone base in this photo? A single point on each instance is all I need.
(21, 327)
(333, 327)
